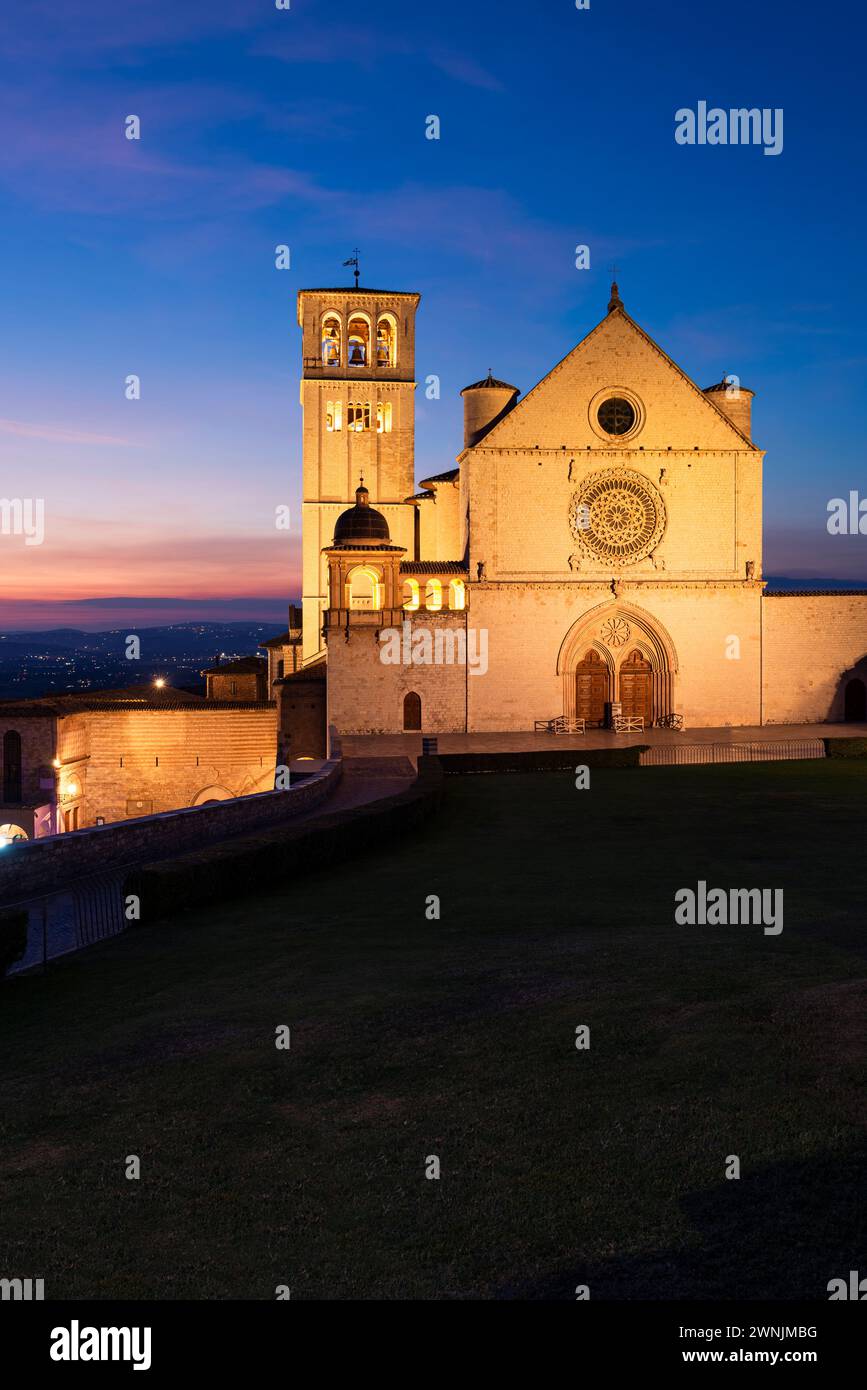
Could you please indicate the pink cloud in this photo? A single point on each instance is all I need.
(60, 434)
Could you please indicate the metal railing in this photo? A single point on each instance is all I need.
(563, 724)
(667, 754)
(88, 910)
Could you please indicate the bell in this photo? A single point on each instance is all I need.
(356, 357)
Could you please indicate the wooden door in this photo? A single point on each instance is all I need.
(591, 688)
(636, 688)
(856, 702)
(411, 711)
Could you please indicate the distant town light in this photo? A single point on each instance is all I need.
(159, 682)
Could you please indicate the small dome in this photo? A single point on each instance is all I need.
(490, 383)
(361, 524)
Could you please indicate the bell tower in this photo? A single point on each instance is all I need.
(357, 398)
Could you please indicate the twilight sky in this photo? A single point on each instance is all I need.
(307, 127)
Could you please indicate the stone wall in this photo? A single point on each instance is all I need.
(365, 694)
(264, 860)
(813, 644)
(533, 628)
(148, 761)
(43, 866)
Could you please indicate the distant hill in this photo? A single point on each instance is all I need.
(179, 639)
(781, 583)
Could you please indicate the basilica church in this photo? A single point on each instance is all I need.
(592, 561)
(600, 539)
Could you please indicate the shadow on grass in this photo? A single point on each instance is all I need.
(781, 1232)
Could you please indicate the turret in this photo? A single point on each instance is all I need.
(485, 404)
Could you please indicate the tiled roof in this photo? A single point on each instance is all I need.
(316, 671)
(290, 638)
(814, 593)
(433, 567)
(726, 385)
(420, 497)
(135, 698)
(350, 290)
(489, 383)
(243, 666)
(450, 477)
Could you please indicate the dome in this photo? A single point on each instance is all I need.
(361, 524)
(490, 383)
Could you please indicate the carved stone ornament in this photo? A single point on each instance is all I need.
(615, 632)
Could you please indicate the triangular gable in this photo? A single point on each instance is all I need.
(616, 353)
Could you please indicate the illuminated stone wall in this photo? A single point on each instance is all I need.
(142, 762)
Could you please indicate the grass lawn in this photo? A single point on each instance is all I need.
(455, 1038)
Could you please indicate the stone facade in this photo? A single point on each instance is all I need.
(86, 762)
(815, 651)
(606, 535)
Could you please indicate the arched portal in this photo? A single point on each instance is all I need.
(208, 795)
(633, 651)
(855, 701)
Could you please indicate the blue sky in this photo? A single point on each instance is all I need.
(307, 127)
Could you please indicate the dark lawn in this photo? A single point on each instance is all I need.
(456, 1038)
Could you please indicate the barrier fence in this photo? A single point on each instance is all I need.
(758, 752)
(58, 923)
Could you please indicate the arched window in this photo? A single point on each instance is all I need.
(433, 598)
(331, 335)
(70, 788)
(358, 415)
(411, 712)
(386, 342)
(358, 341)
(334, 416)
(383, 417)
(457, 594)
(412, 597)
(11, 766)
(365, 589)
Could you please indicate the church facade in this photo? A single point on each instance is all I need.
(599, 543)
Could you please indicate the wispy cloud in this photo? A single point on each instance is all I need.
(368, 46)
(95, 31)
(60, 434)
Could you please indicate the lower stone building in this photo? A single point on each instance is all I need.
(73, 761)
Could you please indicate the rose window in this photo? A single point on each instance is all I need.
(618, 516)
